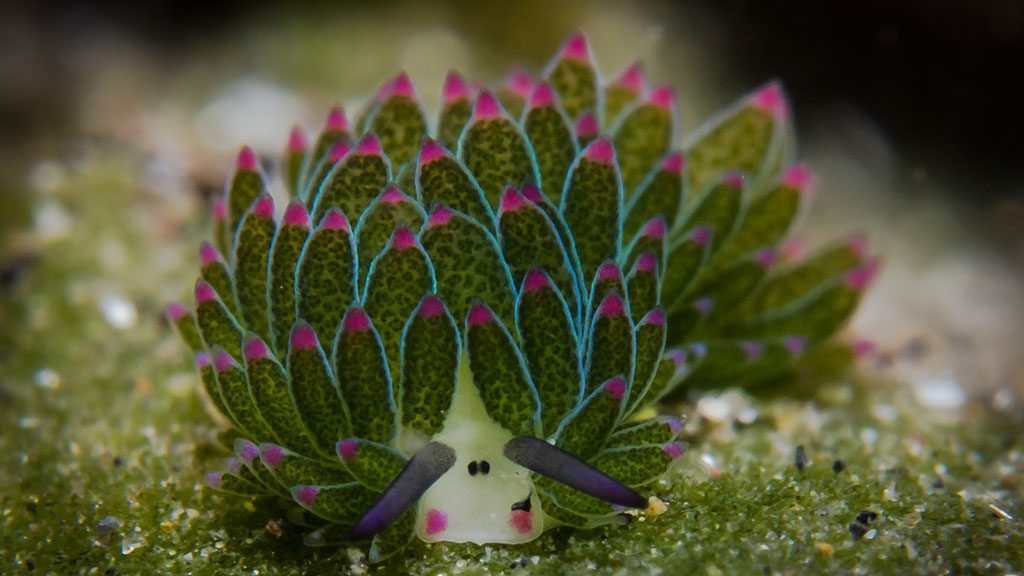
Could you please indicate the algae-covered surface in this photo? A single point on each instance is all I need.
(104, 439)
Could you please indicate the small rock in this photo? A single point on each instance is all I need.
(838, 466)
(867, 516)
(857, 530)
(939, 393)
(801, 458)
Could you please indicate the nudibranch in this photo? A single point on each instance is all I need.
(453, 331)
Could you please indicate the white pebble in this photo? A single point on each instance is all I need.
(119, 312)
(46, 378)
(52, 222)
(939, 393)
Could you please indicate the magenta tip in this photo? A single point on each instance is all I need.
(586, 125)
(487, 106)
(431, 151)
(205, 292)
(792, 249)
(800, 178)
(203, 360)
(296, 215)
(674, 424)
(535, 280)
(795, 345)
(608, 271)
(674, 163)
(576, 48)
(247, 159)
(512, 200)
(519, 82)
(439, 216)
(247, 450)
(176, 311)
(297, 141)
(615, 387)
(753, 350)
(601, 151)
(208, 253)
(348, 449)
(403, 239)
(356, 321)
(704, 305)
(734, 180)
(542, 96)
(663, 97)
(771, 100)
(338, 151)
(479, 315)
(393, 196)
(859, 244)
(701, 235)
(306, 495)
(335, 220)
(220, 210)
(222, 361)
(432, 306)
(255, 349)
(263, 207)
(765, 258)
(304, 337)
(677, 356)
(369, 146)
(611, 305)
(271, 454)
(402, 87)
(532, 193)
(655, 317)
(633, 78)
(862, 348)
(647, 262)
(234, 465)
(454, 88)
(674, 449)
(860, 277)
(214, 479)
(655, 228)
(337, 121)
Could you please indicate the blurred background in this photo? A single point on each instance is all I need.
(903, 107)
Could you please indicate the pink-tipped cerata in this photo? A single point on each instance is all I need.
(296, 215)
(601, 151)
(543, 95)
(454, 88)
(247, 159)
(487, 107)
(576, 48)
(432, 306)
(356, 321)
(535, 280)
(297, 140)
(430, 152)
(403, 239)
(304, 337)
(480, 315)
(255, 349)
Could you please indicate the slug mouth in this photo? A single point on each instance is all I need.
(525, 504)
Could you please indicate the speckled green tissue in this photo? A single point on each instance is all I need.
(104, 440)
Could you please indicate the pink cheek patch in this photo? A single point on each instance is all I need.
(522, 521)
(437, 521)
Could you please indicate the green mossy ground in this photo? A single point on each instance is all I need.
(104, 441)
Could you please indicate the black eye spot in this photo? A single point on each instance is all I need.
(472, 468)
(485, 467)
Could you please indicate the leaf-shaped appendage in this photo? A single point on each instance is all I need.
(448, 328)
